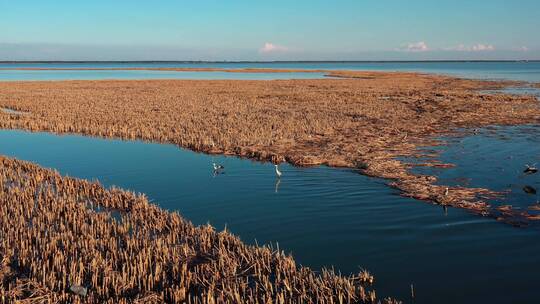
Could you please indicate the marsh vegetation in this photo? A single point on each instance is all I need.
(366, 120)
(73, 241)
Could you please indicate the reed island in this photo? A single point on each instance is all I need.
(362, 120)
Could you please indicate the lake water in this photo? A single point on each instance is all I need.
(495, 159)
(513, 70)
(329, 216)
(14, 75)
(525, 90)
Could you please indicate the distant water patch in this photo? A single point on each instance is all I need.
(11, 111)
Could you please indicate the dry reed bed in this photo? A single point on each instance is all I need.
(58, 232)
(364, 120)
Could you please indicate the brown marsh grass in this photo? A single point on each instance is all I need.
(60, 233)
(363, 120)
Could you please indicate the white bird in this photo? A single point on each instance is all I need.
(278, 173)
(217, 167)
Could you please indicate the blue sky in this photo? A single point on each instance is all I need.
(269, 30)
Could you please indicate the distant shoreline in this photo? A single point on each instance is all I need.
(259, 62)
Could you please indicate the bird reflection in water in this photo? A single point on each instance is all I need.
(276, 188)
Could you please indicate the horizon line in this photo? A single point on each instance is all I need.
(262, 61)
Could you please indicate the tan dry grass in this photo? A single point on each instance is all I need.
(57, 232)
(364, 120)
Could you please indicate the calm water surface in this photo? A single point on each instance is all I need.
(329, 216)
(14, 75)
(523, 71)
(494, 159)
(525, 90)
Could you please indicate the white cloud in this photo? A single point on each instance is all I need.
(273, 48)
(420, 46)
(483, 47)
(521, 49)
(473, 48)
(461, 48)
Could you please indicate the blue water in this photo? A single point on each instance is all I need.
(323, 216)
(522, 71)
(495, 159)
(13, 75)
(525, 90)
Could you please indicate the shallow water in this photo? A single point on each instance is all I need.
(526, 90)
(11, 111)
(494, 158)
(513, 70)
(19, 75)
(323, 216)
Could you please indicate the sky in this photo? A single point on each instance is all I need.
(269, 30)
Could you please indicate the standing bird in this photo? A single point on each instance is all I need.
(446, 191)
(530, 169)
(278, 173)
(217, 167)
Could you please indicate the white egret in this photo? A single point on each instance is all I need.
(278, 173)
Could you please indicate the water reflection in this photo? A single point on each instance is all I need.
(529, 190)
(276, 188)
